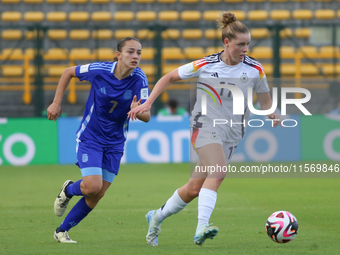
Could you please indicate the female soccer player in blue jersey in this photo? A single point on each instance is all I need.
(214, 145)
(117, 87)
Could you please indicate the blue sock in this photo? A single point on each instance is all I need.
(77, 213)
(74, 189)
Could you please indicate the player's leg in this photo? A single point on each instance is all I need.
(81, 209)
(211, 155)
(89, 158)
(86, 204)
(177, 202)
(108, 178)
(90, 162)
(78, 188)
(217, 155)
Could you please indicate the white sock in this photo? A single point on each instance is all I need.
(206, 204)
(174, 205)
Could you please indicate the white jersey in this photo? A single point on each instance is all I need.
(211, 70)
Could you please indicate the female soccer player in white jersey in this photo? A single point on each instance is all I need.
(117, 87)
(214, 146)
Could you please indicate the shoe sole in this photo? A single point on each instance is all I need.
(209, 233)
(56, 202)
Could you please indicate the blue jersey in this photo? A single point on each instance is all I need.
(105, 120)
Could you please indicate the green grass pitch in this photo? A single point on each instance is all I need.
(118, 226)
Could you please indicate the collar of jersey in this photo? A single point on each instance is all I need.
(220, 58)
(114, 66)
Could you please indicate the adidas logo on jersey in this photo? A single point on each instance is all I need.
(103, 90)
(215, 75)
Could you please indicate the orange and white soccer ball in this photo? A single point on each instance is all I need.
(282, 227)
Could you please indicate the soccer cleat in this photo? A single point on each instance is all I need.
(154, 228)
(204, 232)
(61, 202)
(62, 237)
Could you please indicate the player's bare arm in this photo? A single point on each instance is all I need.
(160, 86)
(266, 103)
(53, 111)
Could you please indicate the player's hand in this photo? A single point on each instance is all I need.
(53, 111)
(276, 119)
(141, 108)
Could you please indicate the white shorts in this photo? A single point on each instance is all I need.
(208, 135)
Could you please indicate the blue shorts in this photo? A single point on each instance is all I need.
(97, 160)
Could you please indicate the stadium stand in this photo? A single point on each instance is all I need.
(302, 33)
(287, 52)
(11, 34)
(32, 35)
(123, 16)
(191, 16)
(80, 31)
(286, 33)
(77, 1)
(194, 53)
(168, 15)
(211, 15)
(233, 1)
(122, 33)
(260, 33)
(104, 54)
(166, 1)
(258, 15)
(10, 1)
(56, 16)
(78, 16)
(34, 16)
(171, 34)
(9, 16)
(145, 34)
(56, 54)
(302, 14)
(240, 15)
(144, 1)
(79, 34)
(146, 16)
(262, 52)
(102, 34)
(57, 34)
(81, 53)
(192, 34)
(55, 1)
(102, 16)
(33, 1)
(211, 34)
(211, 1)
(122, 1)
(280, 14)
(324, 14)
